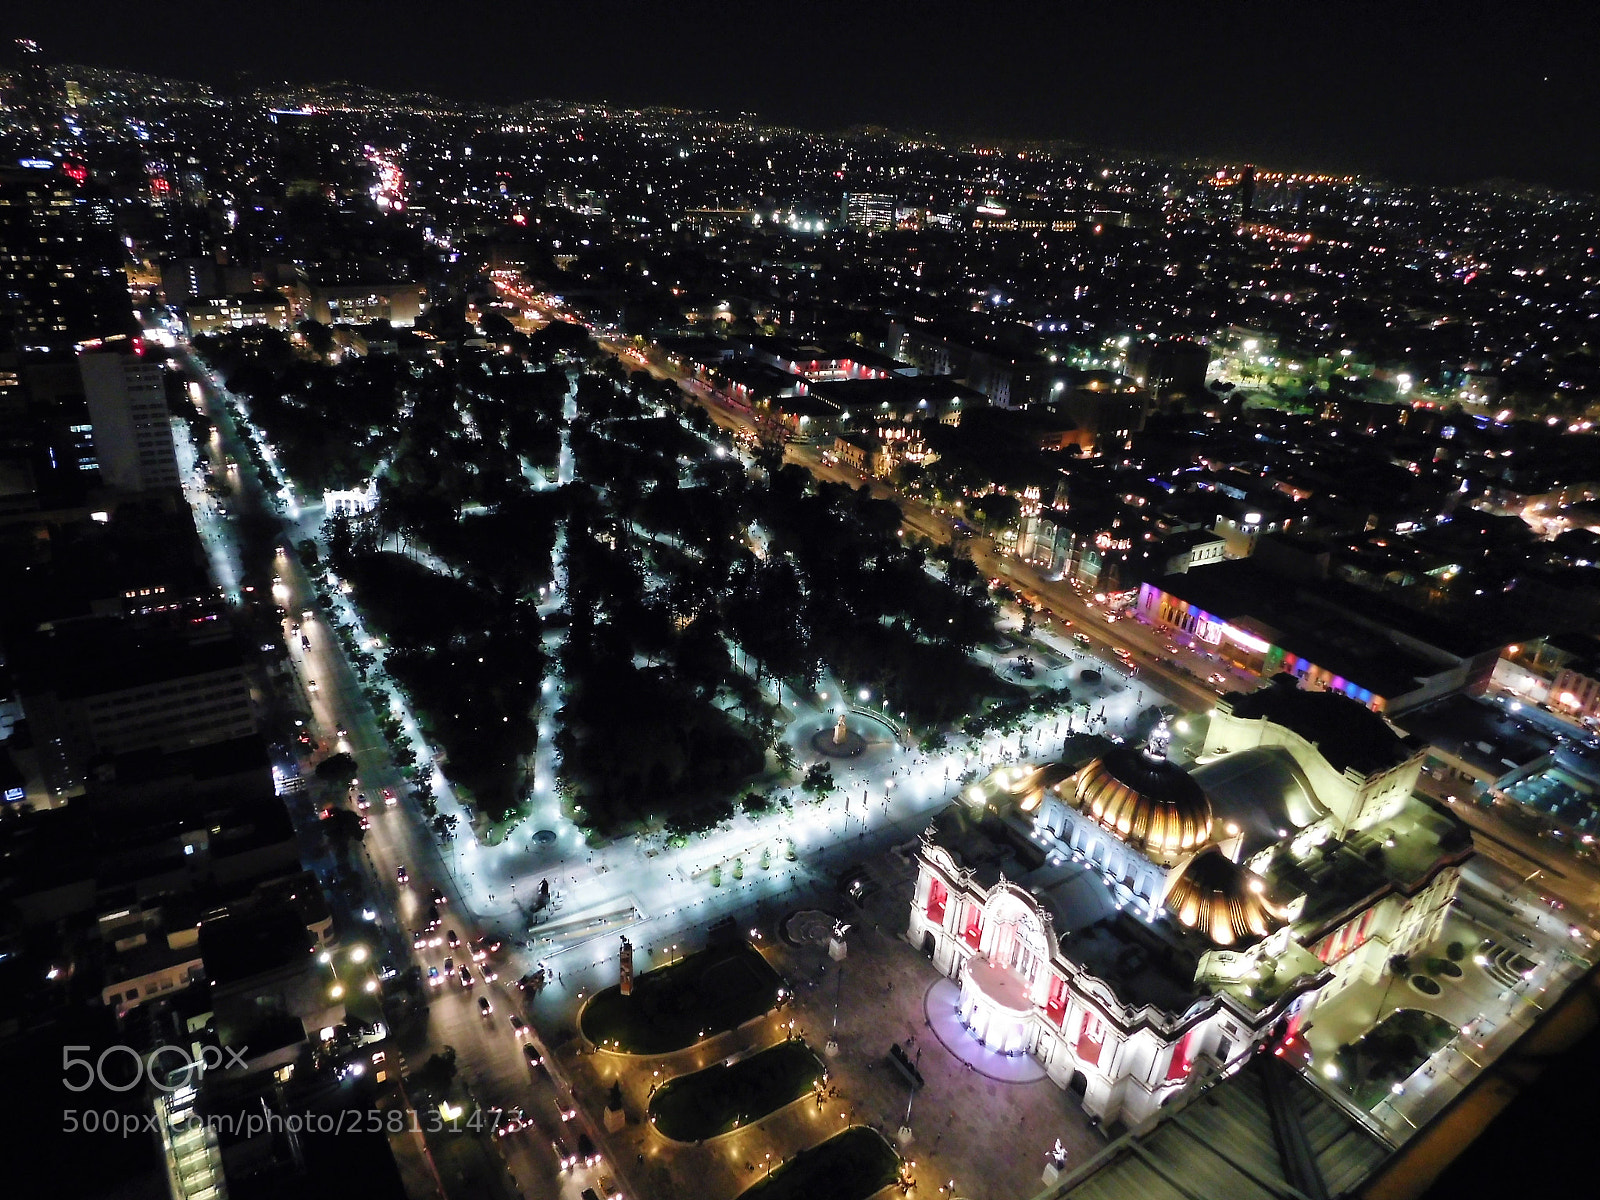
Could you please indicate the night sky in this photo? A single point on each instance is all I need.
(1425, 91)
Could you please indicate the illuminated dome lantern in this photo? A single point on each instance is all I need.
(1221, 899)
(1148, 803)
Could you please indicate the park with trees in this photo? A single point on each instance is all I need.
(674, 587)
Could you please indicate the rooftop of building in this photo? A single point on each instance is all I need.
(1364, 653)
(241, 947)
(80, 659)
(219, 760)
(898, 392)
(1261, 793)
(1188, 539)
(1479, 732)
(1400, 853)
(120, 842)
(1346, 733)
(758, 376)
(89, 567)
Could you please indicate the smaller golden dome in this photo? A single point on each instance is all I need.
(1221, 899)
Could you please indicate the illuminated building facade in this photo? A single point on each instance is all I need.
(867, 211)
(127, 399)
(1119, 918)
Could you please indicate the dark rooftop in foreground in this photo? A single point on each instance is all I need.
(1229, 1140)
(91, 658)
(237, 948)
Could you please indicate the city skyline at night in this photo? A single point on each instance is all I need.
(657, 603)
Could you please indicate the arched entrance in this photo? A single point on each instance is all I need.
(928, 943)
(1079, 1085)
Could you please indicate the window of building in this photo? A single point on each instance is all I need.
(1182, 1057)
(1056, 1004)
(974, 930)
(937, 897)
(1091, 1039)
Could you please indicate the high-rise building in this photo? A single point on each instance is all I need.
(41, 246)
(35, 95)
(868, 211)
(60, 278)
(305, 148)
(132, 428)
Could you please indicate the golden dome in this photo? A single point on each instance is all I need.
(1149, 803)
(1221, 899)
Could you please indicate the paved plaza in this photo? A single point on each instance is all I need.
(987, 1134)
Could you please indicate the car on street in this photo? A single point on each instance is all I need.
(305, 642)
(389, 798)
(424, 939)
(451, 939)
(437, 897)
(433, 916)
(531, 1053)
(587, 1154)
(510, 1121)
(311, 685)
(449, 965)
(402, 875)
(434, 978)
(484, 1007)
(366, 821)
(465, 974)
(564, 1154)
(564, 1107)
(517, 1027)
